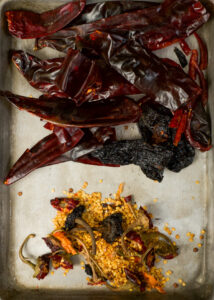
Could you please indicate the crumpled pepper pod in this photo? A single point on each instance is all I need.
(49, 148)
(29, 25)
(156, 27)
(60, 111)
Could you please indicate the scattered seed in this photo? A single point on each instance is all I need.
(195, 249)
(64, 192)
(200, 245)
(174, 243)
(70, 190)
(175, 285)
(85, 184)
(203, 231)
(20, 194)
(52, 272)
(101, 180)
(191, 240)
(165, 261)
(197, 182)
(155, 200)
(183, 284)
(177, 236)
(173, 228)
(201, 237)
(180, 280)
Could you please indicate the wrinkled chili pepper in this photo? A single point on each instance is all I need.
(65, 113)
(185, 47)
(65, 242)
(49, 148)
(167, 85)
(61, 260)
(42, 75)
(203, 84)
(203, 52)
(136, 279)
(156, 26)
(188, 134)
(29, 25)
(64, 204)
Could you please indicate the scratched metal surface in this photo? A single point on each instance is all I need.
(182, 203)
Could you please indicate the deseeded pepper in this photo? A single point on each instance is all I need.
(28, 25)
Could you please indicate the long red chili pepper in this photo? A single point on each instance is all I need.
(49, 148)
(203, 83)
(28, 25)
(190, 138)
(60, 111)
(203, 52)
(179, 121)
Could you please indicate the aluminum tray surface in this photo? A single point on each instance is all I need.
(182, 203)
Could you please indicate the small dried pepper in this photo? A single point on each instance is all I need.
(28, 25)
(185, 47)
(203, 52)
(64, 204)
(65, 242)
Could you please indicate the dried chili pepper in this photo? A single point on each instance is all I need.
(134, 236)
(188, 134)
(41, 74)
(181, 127)
(65, 113)
(28, 25)
(150, 258)
(167, 85)
(43, 152)
(64, 204)
(156, 26)
(61, 260)
(203, 52)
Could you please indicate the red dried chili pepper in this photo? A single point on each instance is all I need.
(64, 204)
(171, 62)
(134, 236)
(185, 47)
(128, 198)
(203, 52)
(192, 64)
(43, 152)
(28, 25)
(109, 112)
(156, 26)
(148, 217)
(181, 129)
(190, 138)
(203, 84)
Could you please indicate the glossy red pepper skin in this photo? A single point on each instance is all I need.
(29, 25)
(156, 27)
(185, 47)
(179, 122)
(134, 236)
(49, 148)
(40, 74)
(60, 111)
(43, 75)
(167, 85)
(192, 64)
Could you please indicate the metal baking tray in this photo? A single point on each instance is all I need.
(182, 203)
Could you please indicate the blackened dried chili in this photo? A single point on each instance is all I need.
(29, 25)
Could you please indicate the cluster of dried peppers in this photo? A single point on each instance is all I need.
(138, 243)
(109, 55)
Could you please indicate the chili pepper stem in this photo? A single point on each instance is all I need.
(21, 256)
(88, 228)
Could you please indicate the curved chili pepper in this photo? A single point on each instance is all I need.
(185, 47)
(108, 112)
(203, 84)
(156, 27)
(203, 52)
(134, 236)
(29, 25)
(190, 138)
(192, 64)
(49, 148)
(64, 204)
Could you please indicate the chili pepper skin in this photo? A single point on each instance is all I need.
(40, 74)
(156, 27)
(192, 63)
(44, 151)
(60, 111)
(185, 47)
(44, 75)
(150, 259)
(167, 85)
(42, 266)
(64, 204)
(28, 25)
